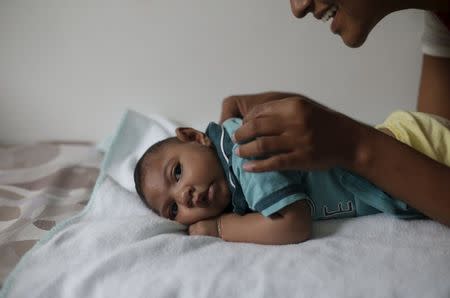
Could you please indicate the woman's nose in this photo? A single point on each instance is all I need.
(300, 7)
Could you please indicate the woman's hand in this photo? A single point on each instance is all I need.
(206, 227)
(293, 132)
(239, 105)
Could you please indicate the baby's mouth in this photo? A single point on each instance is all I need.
(205, 198)
(330, 13)
(211, 192)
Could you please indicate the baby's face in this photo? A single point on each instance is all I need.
(185, 182)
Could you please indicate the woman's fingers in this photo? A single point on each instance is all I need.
(263, 110)
(295, 132)
(265, 126)
(265, 146)
(240, 105)
(230, 108)
(265, 119)
(292, 108)
(279, 162)
(292, 132)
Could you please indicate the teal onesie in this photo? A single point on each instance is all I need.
(334, 193)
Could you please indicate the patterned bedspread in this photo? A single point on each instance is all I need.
(41, 185)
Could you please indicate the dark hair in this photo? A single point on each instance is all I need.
(155, 148)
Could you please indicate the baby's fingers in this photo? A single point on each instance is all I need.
(192, 230)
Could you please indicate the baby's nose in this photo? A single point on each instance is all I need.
(186, 196)
(300, 7)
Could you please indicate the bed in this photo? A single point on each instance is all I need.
(41, 184)
(107, 244)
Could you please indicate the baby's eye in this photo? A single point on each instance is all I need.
(177, 172)
(173, 211)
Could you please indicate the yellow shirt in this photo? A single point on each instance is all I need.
(427, 133)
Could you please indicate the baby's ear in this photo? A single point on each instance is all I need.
(189, 134)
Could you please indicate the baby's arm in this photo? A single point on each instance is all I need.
(291, 224)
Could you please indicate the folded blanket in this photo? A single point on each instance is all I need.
(118, 248)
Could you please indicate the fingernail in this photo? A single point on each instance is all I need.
(233, 138)
(248, 166)
(236, 151)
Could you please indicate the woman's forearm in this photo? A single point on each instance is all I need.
(403, 172)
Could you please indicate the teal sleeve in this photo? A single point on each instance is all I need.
(267, 192)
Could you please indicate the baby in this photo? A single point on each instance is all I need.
(196, 179)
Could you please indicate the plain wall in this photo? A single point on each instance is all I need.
(68, 69)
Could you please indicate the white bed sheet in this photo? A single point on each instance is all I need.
(117, 248)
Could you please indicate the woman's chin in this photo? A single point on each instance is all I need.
(353, 43)
(353, 39)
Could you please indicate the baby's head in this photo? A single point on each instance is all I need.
(181, 178)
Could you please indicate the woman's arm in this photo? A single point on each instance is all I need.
(434, 92)
(292, 224)
(404, 173)
(298, 133)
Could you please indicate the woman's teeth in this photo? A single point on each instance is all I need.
(331, 12)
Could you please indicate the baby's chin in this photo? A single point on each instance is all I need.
(225, 194)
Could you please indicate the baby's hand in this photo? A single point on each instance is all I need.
(206, 227)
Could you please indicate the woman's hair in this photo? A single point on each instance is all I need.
(138, 170)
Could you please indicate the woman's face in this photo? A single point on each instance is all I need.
(351, 19)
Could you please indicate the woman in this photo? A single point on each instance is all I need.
(290, 131)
